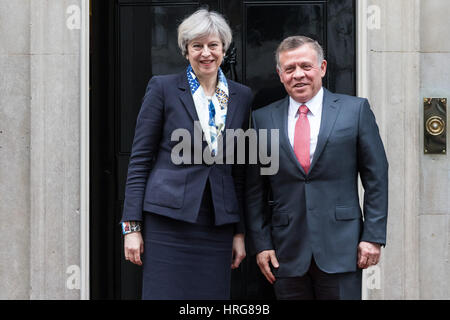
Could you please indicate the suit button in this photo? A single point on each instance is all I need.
(306, 181)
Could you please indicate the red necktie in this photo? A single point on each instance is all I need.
(302, 138)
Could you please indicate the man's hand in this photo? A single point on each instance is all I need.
(262, 259)
(238, 250)
(368, 254)
(134, 246)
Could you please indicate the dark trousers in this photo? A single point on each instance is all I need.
(316, 284)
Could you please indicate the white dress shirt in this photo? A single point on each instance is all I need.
(314, 116)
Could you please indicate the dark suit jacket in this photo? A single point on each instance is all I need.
(155, 184)
(319, 213)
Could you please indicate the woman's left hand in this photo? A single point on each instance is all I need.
(238, 250)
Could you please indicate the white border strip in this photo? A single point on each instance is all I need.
(84, 151)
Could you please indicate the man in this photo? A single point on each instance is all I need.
(312, 243)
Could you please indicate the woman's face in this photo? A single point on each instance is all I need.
(205, 55)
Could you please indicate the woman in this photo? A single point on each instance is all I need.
(189, 212)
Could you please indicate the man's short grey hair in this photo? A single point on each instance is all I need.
(295, 42)
(203, 23)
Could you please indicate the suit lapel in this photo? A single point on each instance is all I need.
(280, 119)
(186, 96)
(232, 104)
(330, 111)
(188, 101)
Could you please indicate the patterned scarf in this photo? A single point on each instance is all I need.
(213, 110)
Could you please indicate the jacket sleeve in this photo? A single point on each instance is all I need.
(373, 170)
(145, 147)
(239, 172)
(257, 211)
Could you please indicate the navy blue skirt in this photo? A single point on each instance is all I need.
(186, 261)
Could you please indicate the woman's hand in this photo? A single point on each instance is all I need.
(238, 250)
(134, 247)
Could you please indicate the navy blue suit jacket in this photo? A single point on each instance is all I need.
(318, 214)
(155, 184)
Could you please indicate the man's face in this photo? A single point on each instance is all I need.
(301, 73)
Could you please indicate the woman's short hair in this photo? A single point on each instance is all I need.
(203, 23)
(295, 42)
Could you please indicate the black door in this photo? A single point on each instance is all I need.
(132, 40)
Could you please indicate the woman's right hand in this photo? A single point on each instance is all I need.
(134, 247)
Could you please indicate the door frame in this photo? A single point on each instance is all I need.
(361, 88)
(84, 150)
